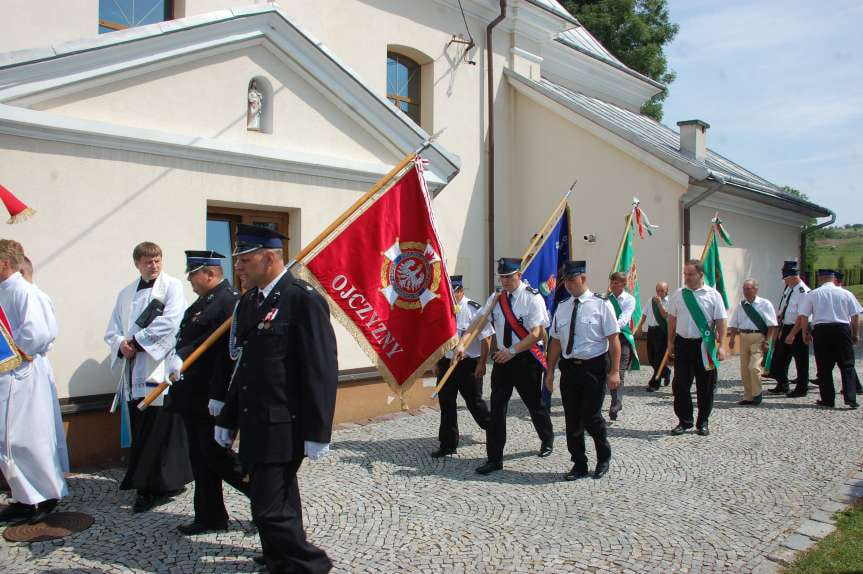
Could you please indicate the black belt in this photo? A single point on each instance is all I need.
(582, 361)
(749, 331)
(687, 338)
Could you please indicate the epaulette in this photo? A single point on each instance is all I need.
(474, 305)
(533, 290)
(802, 290)
(306, 286)
(603, 297)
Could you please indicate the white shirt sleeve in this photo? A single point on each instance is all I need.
(553, 331)
(719, 311)
(537, 314)
(674, 304)
(627, 307)
(770, 315)
(804, 307)
(609, 320)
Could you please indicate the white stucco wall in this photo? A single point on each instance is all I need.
(27, 24)
(551, 153)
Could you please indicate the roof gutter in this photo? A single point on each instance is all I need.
(687, 206)
(490, 107)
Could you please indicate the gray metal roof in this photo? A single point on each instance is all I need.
(555, 8)
(664, 142)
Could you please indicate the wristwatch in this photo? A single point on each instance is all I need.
(512, 350)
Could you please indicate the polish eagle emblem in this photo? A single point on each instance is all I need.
(410, 274)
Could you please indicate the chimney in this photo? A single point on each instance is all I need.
(693, 138)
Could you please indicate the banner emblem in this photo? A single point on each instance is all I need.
(410, 274)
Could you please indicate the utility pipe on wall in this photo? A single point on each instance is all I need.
(490, 107)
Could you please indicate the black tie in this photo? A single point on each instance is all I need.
(571, 341)
(507, 330)
(261, 298)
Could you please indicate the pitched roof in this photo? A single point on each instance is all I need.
(664, 143)
(70, 65)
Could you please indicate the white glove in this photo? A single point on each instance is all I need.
(223, 436)
(215, 407)
(316, 450)
(175, 365)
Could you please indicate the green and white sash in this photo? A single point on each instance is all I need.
(708, 339)
(755, 316)
(626, 331)
(661, 321)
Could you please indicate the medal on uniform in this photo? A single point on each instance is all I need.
(268, 318)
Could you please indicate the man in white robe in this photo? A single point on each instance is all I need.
(141, 333)
(33, 455)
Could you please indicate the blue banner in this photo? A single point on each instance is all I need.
(543, 273)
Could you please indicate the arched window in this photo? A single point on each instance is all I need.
(122, 14)
(403, 84)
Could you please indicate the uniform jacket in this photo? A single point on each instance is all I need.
(208, 377)
(284, 389)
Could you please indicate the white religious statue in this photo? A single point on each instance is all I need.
(256, 107)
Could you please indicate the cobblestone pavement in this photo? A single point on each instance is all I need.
(379, 503)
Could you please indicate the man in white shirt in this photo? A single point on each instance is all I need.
(626, 304)
(696, 328)
(467, 376)
(518, 317)
(584, 338)
(755, 321)
(835, 330)
(787, 312)
(657, 335)
(141, 333)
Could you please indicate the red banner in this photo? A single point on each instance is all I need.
(385, 277)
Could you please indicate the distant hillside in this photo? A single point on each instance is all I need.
(840, 248)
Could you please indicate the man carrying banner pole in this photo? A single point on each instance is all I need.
(696, 328)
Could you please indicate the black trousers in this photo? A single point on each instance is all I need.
(834, 346)
(688, 364)
(657, 343)
(582, 390)
(159, 456)
(524, 374)
(461, 381)
(211, 464)
(782, 355)
(278, 514)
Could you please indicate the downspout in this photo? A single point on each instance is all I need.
(808, 229)
(720, 181)
(490, 107)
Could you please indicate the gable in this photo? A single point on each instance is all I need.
(207, 98)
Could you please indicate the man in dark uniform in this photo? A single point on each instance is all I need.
(584, 336)
(201, 393)
(518, 317)
(835, 330)
(467, 376)
(282, 396)
(794, 292)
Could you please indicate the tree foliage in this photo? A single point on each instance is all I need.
(635, 31)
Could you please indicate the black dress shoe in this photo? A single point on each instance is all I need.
(601, 469)
(778, 390)
(679, 429)
(576, 473)
(43, 509)
(666, 381)
(441, 452)
(259, 559)
(852, 405)
(143, 502)
(199, 528)
(821, 403)
(651, 389)
(17, 511)
(745, 402)
(797, 392)
(489, 467)
(703, 430)
(612, 415)
(757, 400)
(546, 450)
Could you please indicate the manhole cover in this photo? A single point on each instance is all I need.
(56, 525)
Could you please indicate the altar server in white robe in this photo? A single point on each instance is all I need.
(33, 455)
(141, 334)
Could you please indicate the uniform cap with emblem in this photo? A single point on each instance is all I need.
(253, 237)
(789, 269)
(196, 260)
(508, 266)
(457, 282)
(571, 268)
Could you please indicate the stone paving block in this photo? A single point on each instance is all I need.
(832, 506)
(814, 529)
(821, 516)
(798, 542)
(784, 556)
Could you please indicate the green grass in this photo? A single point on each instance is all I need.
(841, 552)
(828, 251)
